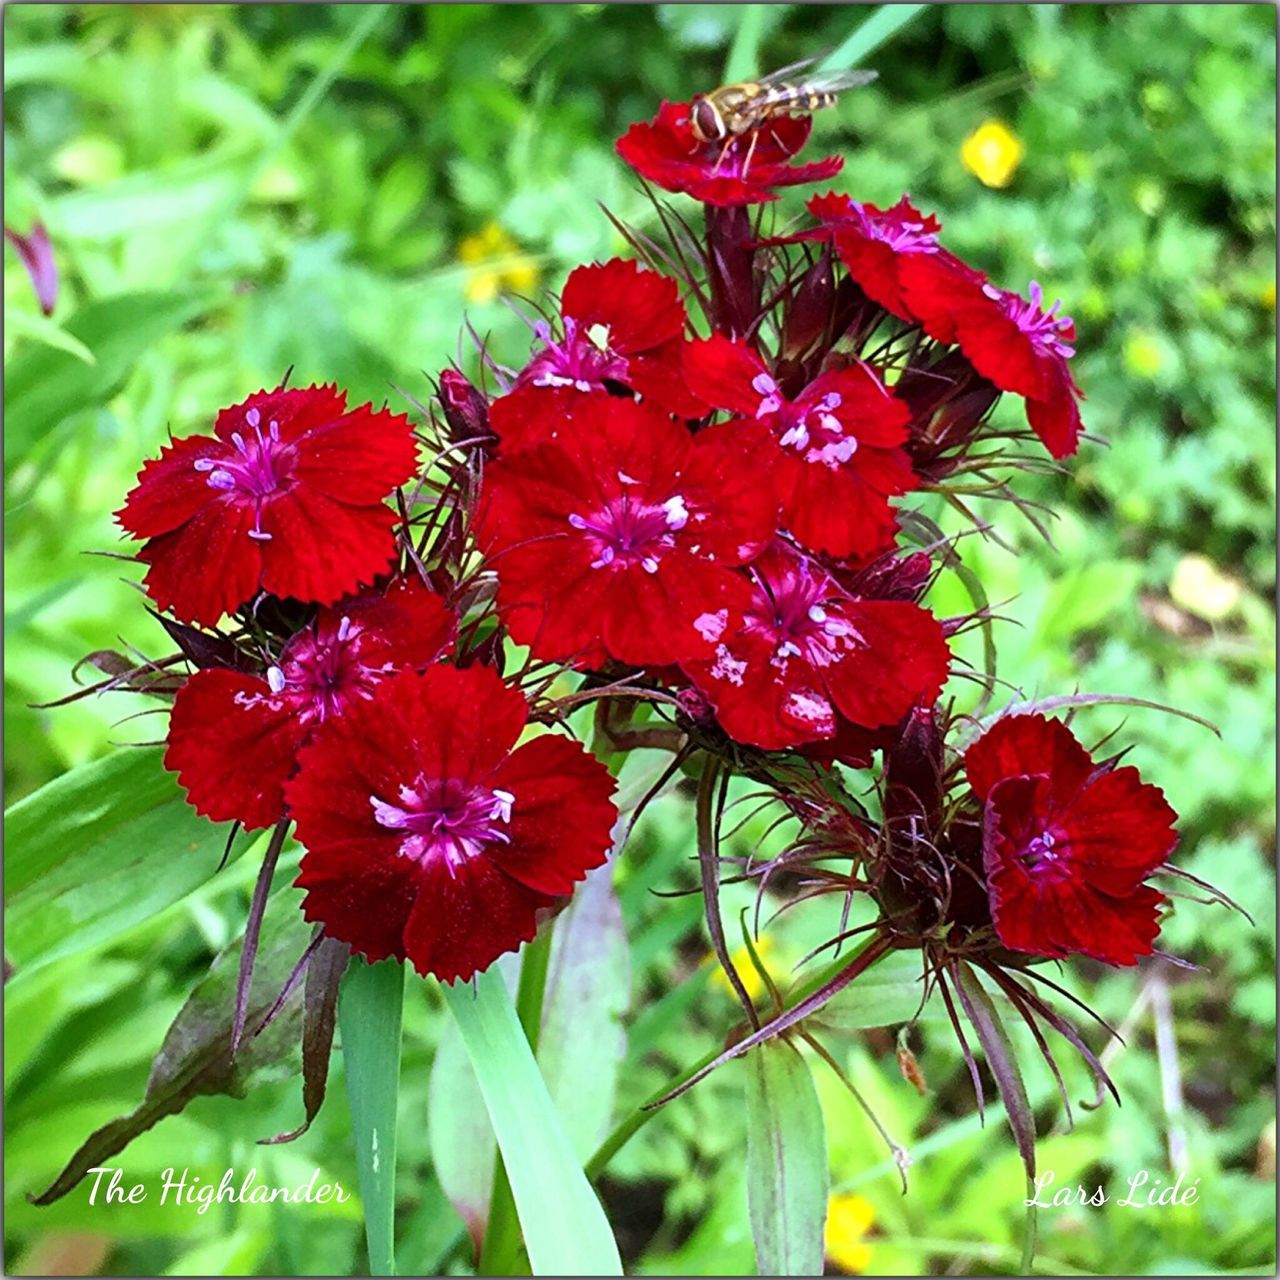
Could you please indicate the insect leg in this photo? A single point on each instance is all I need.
(751, 150)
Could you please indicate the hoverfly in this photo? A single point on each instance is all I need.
(733, 109)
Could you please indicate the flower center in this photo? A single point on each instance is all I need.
(811, 430)
(446, 818)
(1052, 334)
(322, 672)
(261, 467)
(1045, 857)
(901, 235)
(793, 612)
(628, 531)
(581, 359)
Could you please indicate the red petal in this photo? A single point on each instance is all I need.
(170, 491)
(1002, 353)
(465, 919)
(233, 746)
(874, 266)
(294, 411)
(360, 457)
(408, 626)
(362, 891)
(1024, 744)
(208, 567)
(729, 489)
(530, 416)
(1056, 419)
(903, 659)
(720, 372)
(463, 722)
(562, 818)
(642, 309)
(1063, 912)
(833, 509)
(1120, 830)
(321, 549)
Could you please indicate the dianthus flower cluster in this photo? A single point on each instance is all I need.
(700, 503)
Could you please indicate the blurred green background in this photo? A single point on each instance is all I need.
(235, 190)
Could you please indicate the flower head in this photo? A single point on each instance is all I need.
(618, 538)
(1067, 843)
(234, 737)
(743, 169)
(287, 495)
(805, 652)
(992, 153)
(1016, 343)
(837, 456)
(429, 835)
(620, 325)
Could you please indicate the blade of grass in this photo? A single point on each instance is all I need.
(881, 26)
(370, 1009)
(564, 1226)
(744, 54)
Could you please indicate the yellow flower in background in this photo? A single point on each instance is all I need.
(849, 1218)
(741, 958)
(992, 153)
(1268, 295)
(1200, 587)
(497, 264)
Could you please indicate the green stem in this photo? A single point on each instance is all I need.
(502, 1253)
(646, 1110)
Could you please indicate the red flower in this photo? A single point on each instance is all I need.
(890, 251)
(740, 170)
(620, 324)
(428, 837)
(618, 539)
(806, 652)
(1014, 343)
(234, 737)
(839, 455)
(1067, 844)
(287, 495)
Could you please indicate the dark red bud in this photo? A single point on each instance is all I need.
(465, 408)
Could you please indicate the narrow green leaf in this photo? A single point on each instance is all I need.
(98, 850)
(462, 1146)
(1002, 1058)
(370, 1010)
(881, 26)
(786, 1162)
(744, 53)
(30, 324)
(583, 1040)
(564, 1226)
(44, 386)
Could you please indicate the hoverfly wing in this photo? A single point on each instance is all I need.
(839, 81)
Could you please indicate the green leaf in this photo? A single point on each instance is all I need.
(195, 1059)
(887, 996)
(30, 324)
(98, 850)
(588, 990)
(461, 1139)
(44, 386)
(744, 53)
(370, 1010)
(564, 1226)
(881, 26)
(786, 1162)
